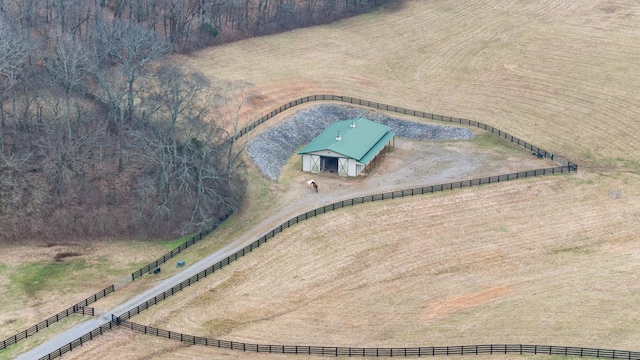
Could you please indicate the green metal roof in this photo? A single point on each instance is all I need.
(361, 142)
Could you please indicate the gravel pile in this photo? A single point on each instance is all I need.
(271, 149)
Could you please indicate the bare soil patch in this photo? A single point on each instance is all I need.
(411, 164)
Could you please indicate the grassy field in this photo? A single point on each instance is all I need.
(546, 261)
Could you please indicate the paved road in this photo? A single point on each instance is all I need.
(287, 209)
(81, 329)
(296, 202)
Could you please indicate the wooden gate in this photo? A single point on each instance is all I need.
(342, 166)
(315, 164)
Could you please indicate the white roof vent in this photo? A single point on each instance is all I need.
(353, 124)
(338, 137)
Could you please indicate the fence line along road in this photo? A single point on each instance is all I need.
(337, 205)
(79, 308)
(161, 260)
(79, 341)
(567, 167)
(295, 220)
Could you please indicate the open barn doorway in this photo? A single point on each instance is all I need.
(330, 164)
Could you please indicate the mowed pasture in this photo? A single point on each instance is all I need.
(540, 261)
(450, 268)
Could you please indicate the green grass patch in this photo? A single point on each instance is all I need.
(488, 140)
(45, 275)
(172, 244)
(502, 228)
(579, 250)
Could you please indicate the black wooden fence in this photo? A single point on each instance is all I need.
(309, 214)
(79, 308)
(567, 167)
(534, 149)
(337, 205)
(487, 349)
(491, 349)
(421, 114)
(80, 341)
(147, 268)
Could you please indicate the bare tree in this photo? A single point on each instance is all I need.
(189, 180)
(174, 102)
(310, 7)
(132, 46)
(112, 92)
(68, 65)
(14, 52)
(228, 102)
(178, 96)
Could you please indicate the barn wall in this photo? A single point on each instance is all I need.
(306, 162)
(328, 153)
(352, 167)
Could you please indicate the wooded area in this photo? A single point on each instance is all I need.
(98, 137)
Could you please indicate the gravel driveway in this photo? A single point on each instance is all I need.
(272, 148)
(424, 154)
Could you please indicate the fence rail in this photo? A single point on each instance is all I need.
(83, 310)
(79, 308)
(421, 114)
(566, 167)
(338, 205)
(147, 268)
(491, 349)
(79, 341)
(534, 149)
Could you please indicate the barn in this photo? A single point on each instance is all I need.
(348, 148)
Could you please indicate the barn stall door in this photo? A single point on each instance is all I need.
(315, 164)
(342, 166)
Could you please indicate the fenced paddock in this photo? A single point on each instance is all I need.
(331, 207)
(419, 114)
(565, 168)
(338, 351)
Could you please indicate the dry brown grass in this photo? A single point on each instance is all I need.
(480, 265)
(560, 74)
(547, 261)
(38, 280)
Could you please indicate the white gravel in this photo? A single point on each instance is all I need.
(271, 149)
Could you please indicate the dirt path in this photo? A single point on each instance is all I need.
(411, 164)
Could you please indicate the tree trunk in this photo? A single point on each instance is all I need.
(1, 129)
